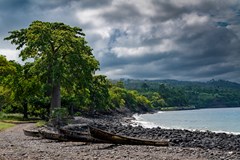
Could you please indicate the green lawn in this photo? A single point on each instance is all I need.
(5, 125)
(10, 120)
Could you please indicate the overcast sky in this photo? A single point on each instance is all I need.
(194, 40)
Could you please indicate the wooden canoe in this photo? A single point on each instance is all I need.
(51, 135)
(31, 133)
(78, 136)
(119, 139)
(76, 127)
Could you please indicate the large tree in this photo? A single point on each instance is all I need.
(61, 56)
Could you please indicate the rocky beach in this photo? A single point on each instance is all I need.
(184, 144)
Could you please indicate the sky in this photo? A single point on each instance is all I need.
(193, 40)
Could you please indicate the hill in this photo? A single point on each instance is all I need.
(213, 93)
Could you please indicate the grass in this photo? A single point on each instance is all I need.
(10, 120)
(40, 123)
(16, 117)
(4, 125)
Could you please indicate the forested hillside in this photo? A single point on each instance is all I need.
(214, 93)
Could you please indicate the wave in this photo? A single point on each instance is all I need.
(160, 112)
(235, 133)
(138, 121)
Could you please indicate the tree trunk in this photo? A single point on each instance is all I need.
(48, 93)
(56, 96)
(25, 109)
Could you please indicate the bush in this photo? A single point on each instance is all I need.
(59, 117)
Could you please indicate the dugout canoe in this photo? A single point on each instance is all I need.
(31, 133)
(78, 136)
(119, 139)
(52, 135)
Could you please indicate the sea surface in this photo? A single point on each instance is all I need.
(217, 120)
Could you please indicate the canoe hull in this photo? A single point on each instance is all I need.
(31, 133)
(118, 139)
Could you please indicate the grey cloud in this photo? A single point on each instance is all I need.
(165, 10)
(122, 13)
(200, 51)
(222, 24)
(111, 60)
(94, 3)
(14, 5)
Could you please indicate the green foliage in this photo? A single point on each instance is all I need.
(5, 67)
(59, 117)
(130, 99)
(60, 113)
(156, 99)
(117, 97)
(5, 97)
(41, 123)
(99, 93)
(22, 86)
(15, 116)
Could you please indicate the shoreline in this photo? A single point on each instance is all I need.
(137, 120)
(134, 122)
(183, 144)
(177, 137)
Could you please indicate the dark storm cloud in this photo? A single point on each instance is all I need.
(122, 13)
(165, 10)
(9, 13)
(94, 3)
(175, 39)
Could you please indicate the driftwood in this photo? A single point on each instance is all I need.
(118, 139)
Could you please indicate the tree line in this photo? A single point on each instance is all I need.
(214, 93)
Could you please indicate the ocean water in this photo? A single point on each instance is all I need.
(217, 120)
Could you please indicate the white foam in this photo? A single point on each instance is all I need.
(160, 112)
(234, 133)
(140, 122)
